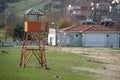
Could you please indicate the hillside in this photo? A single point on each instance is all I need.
(56, 5)
(20, 7)
(45, 5)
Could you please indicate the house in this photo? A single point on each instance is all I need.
(89, 35)
(78, 9)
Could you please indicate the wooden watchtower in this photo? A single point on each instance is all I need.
(40, 28)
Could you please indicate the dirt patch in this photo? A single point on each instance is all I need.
(108, 57)
(100, 74)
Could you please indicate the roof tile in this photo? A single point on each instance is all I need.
(88, 28)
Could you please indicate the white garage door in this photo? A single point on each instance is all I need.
(94, 39)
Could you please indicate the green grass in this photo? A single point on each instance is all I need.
(60, 63)
(22, 6)
(115, 51)
(2, 35)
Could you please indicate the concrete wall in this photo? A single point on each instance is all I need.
(94, 39)
(107, 39)
(70, 39)
(52, 37)
(100, 39)
(112, 39)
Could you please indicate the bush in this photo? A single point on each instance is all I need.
(65, 22)
(18, 32)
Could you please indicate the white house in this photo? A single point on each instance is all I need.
(89, 35)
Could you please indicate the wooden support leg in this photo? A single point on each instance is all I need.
(39, 52)
(23, 52)
(21, 59)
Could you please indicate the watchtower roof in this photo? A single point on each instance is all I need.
(34, 11)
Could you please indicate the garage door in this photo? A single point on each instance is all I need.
(94, 39)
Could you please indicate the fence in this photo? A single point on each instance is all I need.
(31, 43)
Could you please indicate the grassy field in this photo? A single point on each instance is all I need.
(60, 64)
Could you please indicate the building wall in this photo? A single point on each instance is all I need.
(70, 39)
(66, 39)
(52, 37)
(94, 39)
(112, 39)
(101, 39)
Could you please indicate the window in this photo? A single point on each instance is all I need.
(107, 35)
(76, 35)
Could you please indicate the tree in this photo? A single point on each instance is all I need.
(65, 22)
(8, 32)
(2, 15)
(12, 19)
(54, 17)
(18, 32)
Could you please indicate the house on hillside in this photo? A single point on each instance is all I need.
(78, 9)
(89, 35)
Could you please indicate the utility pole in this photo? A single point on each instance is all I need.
(94, 10)
(54, 24)
(5, 22)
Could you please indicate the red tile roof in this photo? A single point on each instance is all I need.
(88, 28)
